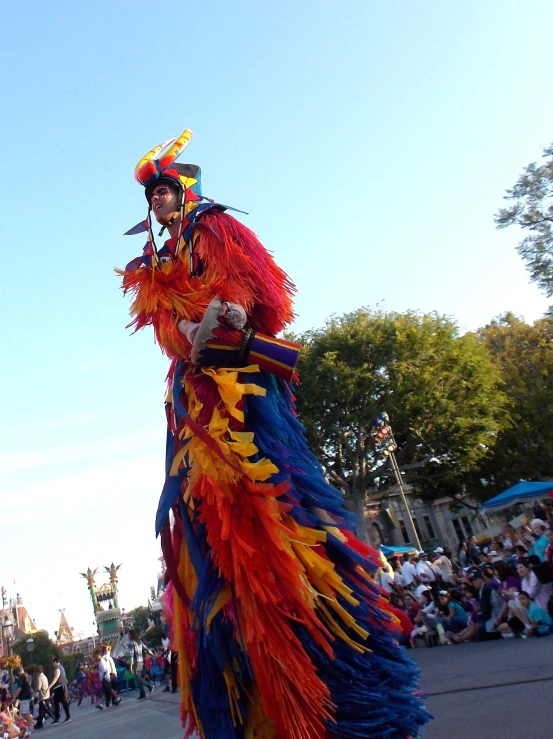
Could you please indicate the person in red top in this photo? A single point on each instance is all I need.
(413, 608)
(405, 625)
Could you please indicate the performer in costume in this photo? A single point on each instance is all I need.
(280, 629)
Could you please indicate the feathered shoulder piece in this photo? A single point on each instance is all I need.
(241, 270)
(235, 267)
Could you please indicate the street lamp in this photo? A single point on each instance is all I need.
(7, 635)
(30, 646)
(383, 438)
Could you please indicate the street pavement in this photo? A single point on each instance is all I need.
(491, 690)
(155, 717)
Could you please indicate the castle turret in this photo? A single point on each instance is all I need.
(89, 577)
(112, 570)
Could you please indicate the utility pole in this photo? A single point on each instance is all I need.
(383, 438)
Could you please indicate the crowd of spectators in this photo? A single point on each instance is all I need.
(501, 590)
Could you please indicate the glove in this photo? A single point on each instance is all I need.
(233, 315)
(189, 329)
(216, 345)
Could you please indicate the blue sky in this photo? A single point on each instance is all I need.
(371, 144)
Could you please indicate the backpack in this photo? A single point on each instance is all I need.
(431, 639)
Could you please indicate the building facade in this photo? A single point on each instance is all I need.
(437, 524)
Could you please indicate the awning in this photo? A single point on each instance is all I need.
(522, 492)
(396, 551)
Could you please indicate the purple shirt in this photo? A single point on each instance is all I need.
(511, 583)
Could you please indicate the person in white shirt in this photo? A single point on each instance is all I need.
(387, 578)
(166, 647)
(444, 563)
(408, 570)
(398, 577)
(108, 676)
(42, 696)
(424, 571)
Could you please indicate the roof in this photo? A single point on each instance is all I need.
(65, 633)
(24, 621)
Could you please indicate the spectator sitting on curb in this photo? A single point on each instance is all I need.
(456, 619)
(483, 627)
(470, 603)
(488, 571)
(412, 607)
(531, 585)
(429, 612)
(508, 581)
(527, 617)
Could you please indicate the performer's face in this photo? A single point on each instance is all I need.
(164, 202)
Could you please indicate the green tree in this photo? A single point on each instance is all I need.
(524, 354)
(139, 617)
(42, 654)
(532, 209)
(153, 636)
(440, 390)
(70, 661)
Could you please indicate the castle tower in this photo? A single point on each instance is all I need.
(105, 601)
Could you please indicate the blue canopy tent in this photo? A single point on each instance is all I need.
(522, 492)
(395, 551)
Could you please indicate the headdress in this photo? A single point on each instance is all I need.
(158, 166)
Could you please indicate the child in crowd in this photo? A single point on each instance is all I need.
(82, 683)
(527, 618)
(8, 723)
(455, 619)
(471, 603)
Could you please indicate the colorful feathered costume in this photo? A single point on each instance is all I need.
(280, 629)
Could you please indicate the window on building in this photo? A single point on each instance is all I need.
(376, 536)
(404, 531)
(417, 528)
(458, 529)
(429, 527)
(468, 526)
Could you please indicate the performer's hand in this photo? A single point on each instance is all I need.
(233, 315)
(189, 329)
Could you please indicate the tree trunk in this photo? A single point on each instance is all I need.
(362, 527)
